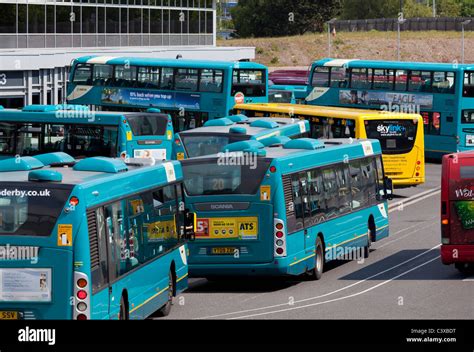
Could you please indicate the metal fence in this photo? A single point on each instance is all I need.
(411, 24)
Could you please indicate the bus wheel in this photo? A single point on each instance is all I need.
(369, 244)
(370, 237)
(124, 315)
(317, 272)
(166, 309)
(463, 268)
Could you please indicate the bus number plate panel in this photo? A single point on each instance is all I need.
(7, 315)
(223, 250)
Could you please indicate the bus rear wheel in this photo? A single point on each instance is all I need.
(124, 315)
(317, 272)
(166, 309)
(370, 238)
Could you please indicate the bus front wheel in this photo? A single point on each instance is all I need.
(317, 272)
(123, 309)
(166, 309)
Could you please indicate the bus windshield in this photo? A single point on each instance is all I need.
(30, 210)
(202, 144)
(210, 177)
(280, 96)
(395, 136)
(78, 140)
(148, 125)
(250, 82)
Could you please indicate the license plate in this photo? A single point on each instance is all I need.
(223, 250)
(8, 315)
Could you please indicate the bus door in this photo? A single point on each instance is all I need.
(310, 204)
(114, 227)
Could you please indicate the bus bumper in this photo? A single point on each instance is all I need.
(408, 182)
(277, 267)
(451, 254)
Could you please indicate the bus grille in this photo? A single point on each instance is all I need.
(288, 195)
(93, 240)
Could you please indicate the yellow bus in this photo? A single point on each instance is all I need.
(401, 135)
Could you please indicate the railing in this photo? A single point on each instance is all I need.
(10, 41)
(411, 24)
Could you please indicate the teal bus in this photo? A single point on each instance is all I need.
(192, 91)
(281, 95)
(287, 94)
(216, 134)
(96, 238)
(81, 132)
(287, 208)
(442, 93)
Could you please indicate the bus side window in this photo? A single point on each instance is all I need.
(83, 74)
(165, 218)
(331, 192)
(167, 78)
(317, 200)
(320, 77)
(356, 184)
(114, 231)
(339, 77)
(298, 202)
(305, 196)
(369, 178)
(360, 78)
(101, 75)
(345, 197)
(96, 223)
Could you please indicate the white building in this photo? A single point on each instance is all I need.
(39, 38)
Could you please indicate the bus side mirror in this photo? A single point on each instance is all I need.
(190, 225)
(388, 185)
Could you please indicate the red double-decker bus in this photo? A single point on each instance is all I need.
(457, 211)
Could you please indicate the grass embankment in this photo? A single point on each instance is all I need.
(302, 50)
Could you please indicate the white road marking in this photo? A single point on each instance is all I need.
(408, 234)
(413, 200)
(340, 298)
(323, 295)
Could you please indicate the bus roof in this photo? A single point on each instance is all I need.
(401, 65)
(301, 153)
(252, 126)
(325, 111)
(139, 61)
(110, 177)
(58, 113)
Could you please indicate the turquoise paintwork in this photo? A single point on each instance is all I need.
(211, 104)
(258, 129)
(257, 256)
(146, 286)
(45, 176)
(20, 164)
(453, 135)
(127, 142)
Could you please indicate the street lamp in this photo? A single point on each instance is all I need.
(329, 35)
(401, 20)
(465, 23)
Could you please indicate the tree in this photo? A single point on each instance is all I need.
(467, 8)
(411, 9)
(365, 9)
(448, 8)
(267, 18)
